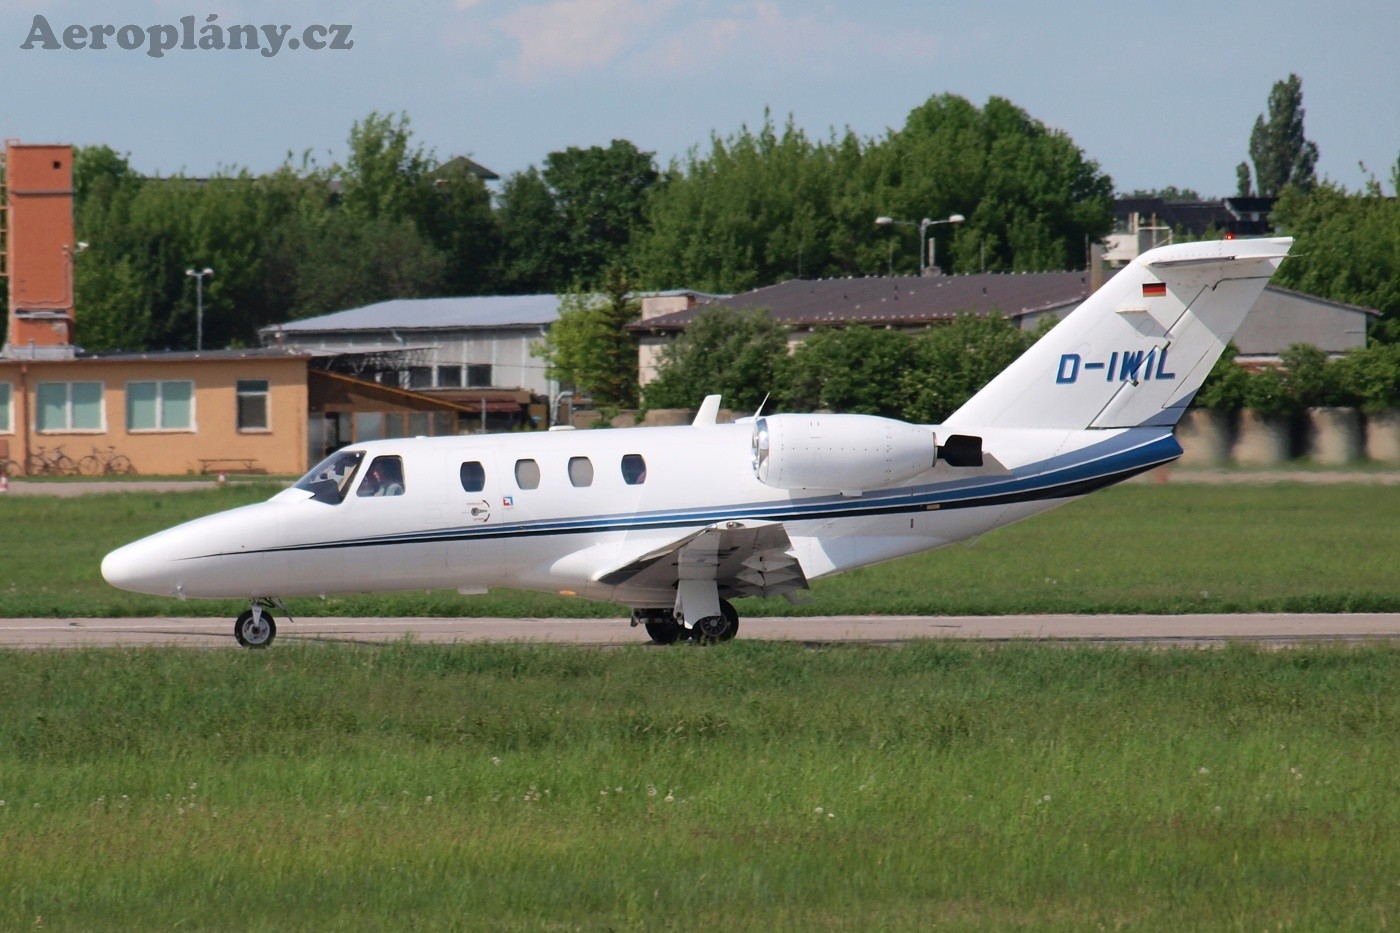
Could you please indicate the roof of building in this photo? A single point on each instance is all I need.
(913, 301)
(442, 314)
(430, 314)
(174, 356)
(897, 300)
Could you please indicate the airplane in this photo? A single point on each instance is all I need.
(675, 522)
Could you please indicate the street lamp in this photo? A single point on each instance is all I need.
(929, 252)
(199, 276)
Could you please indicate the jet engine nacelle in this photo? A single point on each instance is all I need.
(849, 453)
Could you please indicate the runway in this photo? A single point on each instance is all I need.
(1183, 630)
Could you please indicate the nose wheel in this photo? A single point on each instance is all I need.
(255, 628)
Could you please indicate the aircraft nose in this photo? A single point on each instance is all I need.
(127, 568)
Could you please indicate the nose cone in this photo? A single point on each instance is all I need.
(214, 557)
(140, 568)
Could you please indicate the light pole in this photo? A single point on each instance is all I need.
(926, 253)
(199, 276)
(932, 243)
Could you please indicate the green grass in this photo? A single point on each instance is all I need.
(1137, 548)
(761, 787)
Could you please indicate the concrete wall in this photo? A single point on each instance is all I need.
(1327, 436)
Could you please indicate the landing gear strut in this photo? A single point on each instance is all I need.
(256, 628)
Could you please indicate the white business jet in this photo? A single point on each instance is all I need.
(675, 522)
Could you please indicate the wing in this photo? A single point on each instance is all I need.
(745, 558)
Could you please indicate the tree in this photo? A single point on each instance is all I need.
(589, 348)
(1169, 193)
(952, 362)
(570, 222)
(738, 354)
(760, 207)
(1282, 155)
(1225, 385)
(854, 369)
(1348, 250)
(764, 206)
(1030, 196)
(531, 228)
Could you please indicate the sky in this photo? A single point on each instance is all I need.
(1157, 94)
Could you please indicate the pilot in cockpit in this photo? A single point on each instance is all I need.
(384, 478)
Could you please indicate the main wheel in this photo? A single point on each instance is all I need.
(255, 631)
(712, 629)
(664, 633)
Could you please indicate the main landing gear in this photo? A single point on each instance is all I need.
(663, 628)
(256, 628)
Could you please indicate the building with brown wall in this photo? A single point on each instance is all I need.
(168, 413)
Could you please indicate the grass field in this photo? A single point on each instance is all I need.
(765, 786)
(1137, 548)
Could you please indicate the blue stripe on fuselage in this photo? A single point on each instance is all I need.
(1064, 476)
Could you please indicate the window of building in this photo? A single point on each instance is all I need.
(252, 405)
(473, 476)
(68, 406)
(160, 406)
(634, 470)
(7, 418)
(420, 377)
(449, 377)
(581, 471)
(479, 375)
(527, 474)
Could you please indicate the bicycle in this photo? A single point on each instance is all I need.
(44, 462)
(107, 462)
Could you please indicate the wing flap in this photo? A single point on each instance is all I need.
(744, 558)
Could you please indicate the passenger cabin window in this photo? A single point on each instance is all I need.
(473, 476)
(527, 474)
(581, 471)
(329, 480)
(634, 470)
(383, 478)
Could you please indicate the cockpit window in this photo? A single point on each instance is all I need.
(329, 480)
(383, 478)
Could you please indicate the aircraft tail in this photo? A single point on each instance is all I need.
(1135, 352)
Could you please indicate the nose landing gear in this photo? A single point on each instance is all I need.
(256, 628)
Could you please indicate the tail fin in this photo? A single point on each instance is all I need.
(1137, 350)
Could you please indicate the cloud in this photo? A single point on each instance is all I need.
(570, 36)
(762, 32)
(666, 40)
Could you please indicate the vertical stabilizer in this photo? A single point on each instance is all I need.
(1137, 350)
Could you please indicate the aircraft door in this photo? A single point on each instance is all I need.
(474, 508)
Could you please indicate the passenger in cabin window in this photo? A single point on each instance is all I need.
(385, 478)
